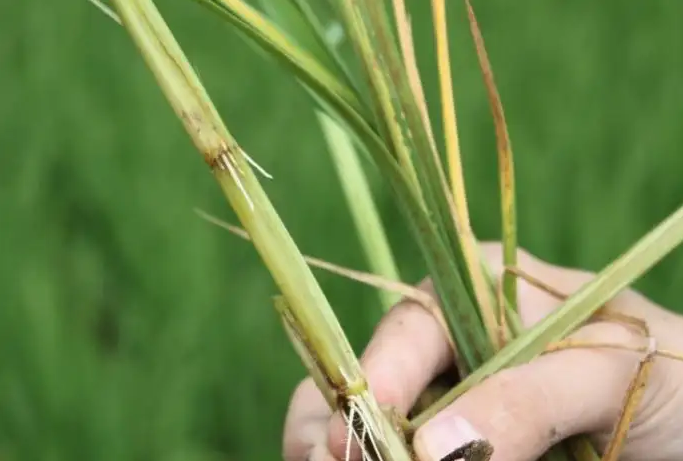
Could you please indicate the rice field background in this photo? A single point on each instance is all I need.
(130, 329)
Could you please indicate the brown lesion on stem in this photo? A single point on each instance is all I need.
(220, 157)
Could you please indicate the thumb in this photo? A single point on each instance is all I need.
(523, 411)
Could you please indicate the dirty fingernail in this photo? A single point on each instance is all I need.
(442, 435)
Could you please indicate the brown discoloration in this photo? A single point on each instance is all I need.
(209, 160)
(478, 450)
(221, 158)
(634, 396)
(505, 157)
(399, 422)
(554, 435)
(609, 315)
(193, 121)
(356, 387)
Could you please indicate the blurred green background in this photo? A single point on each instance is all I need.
(130, 329)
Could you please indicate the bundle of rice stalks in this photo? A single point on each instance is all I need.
(381, 113)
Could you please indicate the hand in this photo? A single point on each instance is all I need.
(524, 410)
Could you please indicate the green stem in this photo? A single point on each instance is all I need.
(359, 199)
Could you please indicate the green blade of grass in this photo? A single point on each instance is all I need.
(298, 19)
(283, 48)
(405, 36)
(363, 210)
(649, 250)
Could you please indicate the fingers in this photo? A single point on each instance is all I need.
(408, 349)
(523, 411)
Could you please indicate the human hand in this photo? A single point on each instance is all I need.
(523, 410)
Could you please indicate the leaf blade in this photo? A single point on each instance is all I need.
(505, 162)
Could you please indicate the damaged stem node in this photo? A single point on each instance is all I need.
(224, 160)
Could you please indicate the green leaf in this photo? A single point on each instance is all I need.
(283, 48)
(359, 198)
(298, 19)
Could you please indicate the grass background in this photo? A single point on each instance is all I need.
(132, 330)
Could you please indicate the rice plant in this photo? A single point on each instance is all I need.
(379, 114)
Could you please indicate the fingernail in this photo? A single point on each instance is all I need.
(442, 435)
